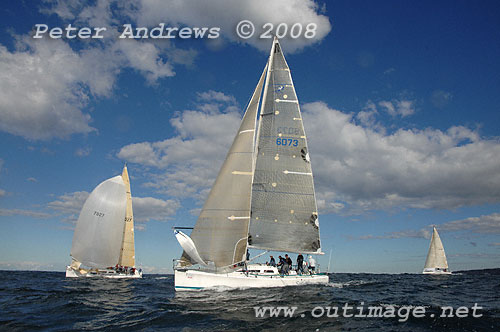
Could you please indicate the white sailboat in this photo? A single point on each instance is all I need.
(263, 197)
(436, 262)
(103, 242)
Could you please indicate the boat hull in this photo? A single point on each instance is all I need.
(108, 274)
(191, 280)
(435, 271)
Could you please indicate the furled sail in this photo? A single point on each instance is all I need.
(98, 237)
(220, 234)
(284, 212)
(127, 253)
(436, 257)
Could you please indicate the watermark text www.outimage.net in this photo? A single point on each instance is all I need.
(403, 313)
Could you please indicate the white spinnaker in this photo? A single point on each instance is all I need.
(99, 231)
(436, 256)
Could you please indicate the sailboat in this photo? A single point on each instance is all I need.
(103, 242)
(436, 258)
(263, 197)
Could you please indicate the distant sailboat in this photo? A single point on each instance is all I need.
(436, 259)
(263, 197)
(103, 242)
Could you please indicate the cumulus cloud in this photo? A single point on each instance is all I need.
(187, 164)
(41, 95)
(149, 208)
(422, 233)
(366, 169)
(484, 224)
(394, 108)
(145, 208)
(440, 98)
(21, 212)
(83, 152)
(46, 84)
(69, 203)
(26, 266)
(357, 167)
(227, 14)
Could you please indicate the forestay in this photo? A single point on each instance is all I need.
(284, 212)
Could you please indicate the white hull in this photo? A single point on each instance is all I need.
(435, 271)
(189, 280)
(109, 274)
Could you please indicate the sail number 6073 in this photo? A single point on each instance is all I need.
(287, 141)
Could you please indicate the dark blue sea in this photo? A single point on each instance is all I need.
(47, 301)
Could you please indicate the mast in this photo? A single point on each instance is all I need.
(127, 252)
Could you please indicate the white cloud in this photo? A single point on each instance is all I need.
(145, 208)
(32, 179)
(422, 233)
(145, 58)
(357, 168)
(21, 212)
(398, 107)
(70, 203)
(227, 14)
(45, 84)
(187, 164)
(26, 266)
(485, 224)
(2, 193)
(367, 169)
(40, 92)
(440, 98)
(149, 208)
(83, 152)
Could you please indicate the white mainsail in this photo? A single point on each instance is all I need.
(436, 258)
(98, 236)
(284, 212)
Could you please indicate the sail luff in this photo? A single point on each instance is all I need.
(221, 230)
(127, 252)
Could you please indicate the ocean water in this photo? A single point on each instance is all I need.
(47, 301)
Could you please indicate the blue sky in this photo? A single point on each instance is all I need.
(400, 104)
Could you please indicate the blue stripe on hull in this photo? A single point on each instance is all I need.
(187, 287)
